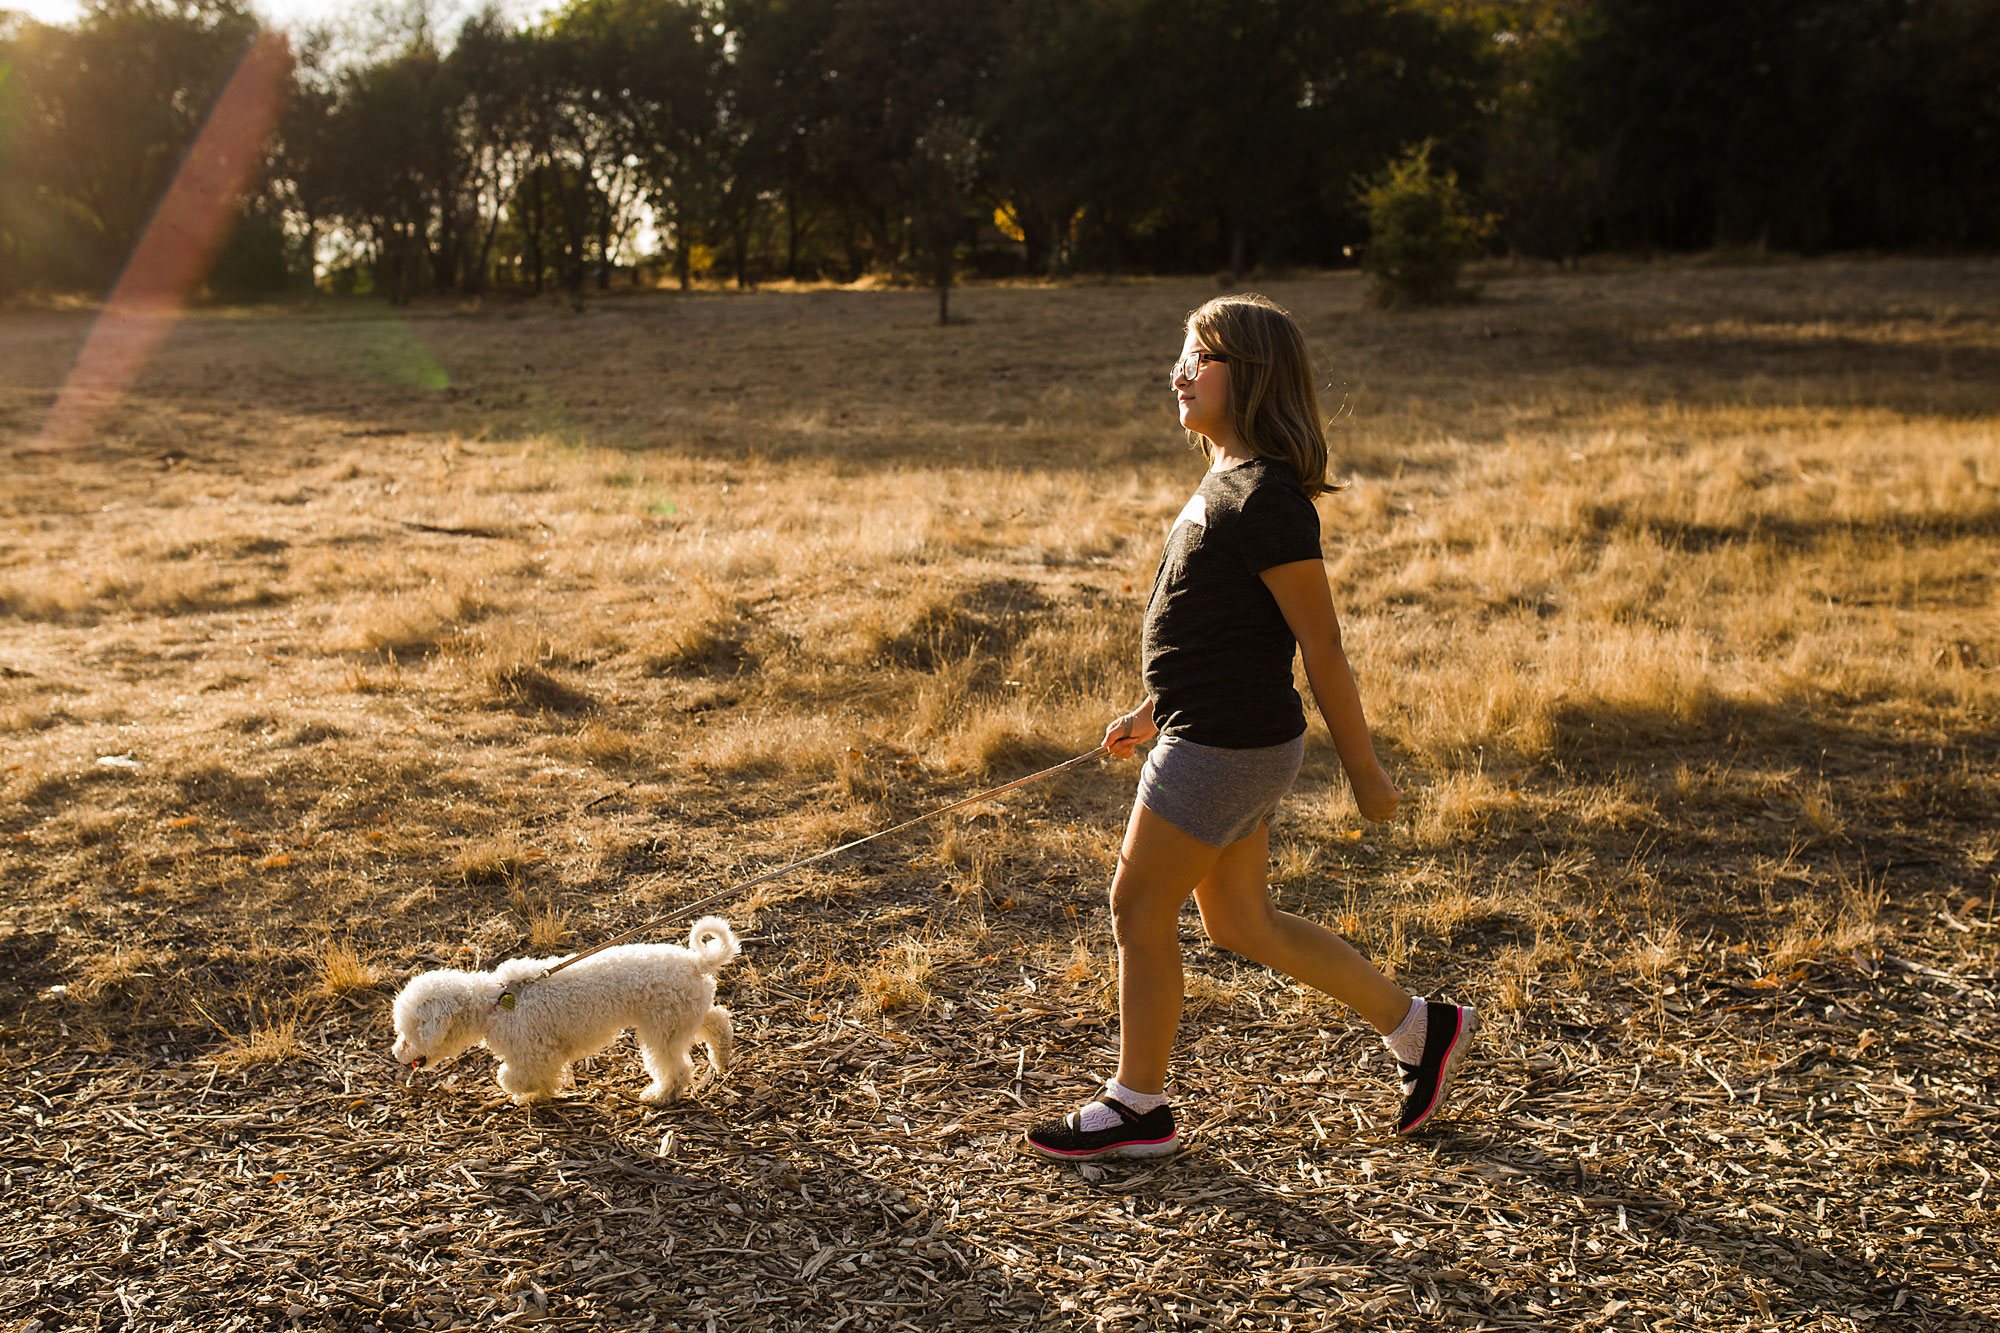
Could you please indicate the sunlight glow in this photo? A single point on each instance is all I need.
(290, 14)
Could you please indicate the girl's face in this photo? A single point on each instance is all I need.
(1203, 395)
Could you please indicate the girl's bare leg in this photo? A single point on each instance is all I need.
(1236, 909)
(1157, 868)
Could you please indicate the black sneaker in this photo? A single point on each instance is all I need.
(1448, 1030)
(1135, 1135)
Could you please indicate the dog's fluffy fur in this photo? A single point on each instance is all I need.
(664, 993)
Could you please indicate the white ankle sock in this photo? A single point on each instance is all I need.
(1099, 1116)
(1407, 1041)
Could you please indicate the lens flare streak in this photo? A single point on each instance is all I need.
(181, 240)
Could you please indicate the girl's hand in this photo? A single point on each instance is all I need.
(1126, 734)
(1377, 795)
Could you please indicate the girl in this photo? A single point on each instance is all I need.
(1240, 586)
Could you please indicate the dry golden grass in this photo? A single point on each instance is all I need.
(491, 861)
(117, 971)
(1671, 591)
(899, 977)
(343, 970)
(1658, 952)
(270, 1041)
(548, 930)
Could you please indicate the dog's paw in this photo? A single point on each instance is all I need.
(659, 1094)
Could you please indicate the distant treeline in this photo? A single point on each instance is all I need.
(759, 139)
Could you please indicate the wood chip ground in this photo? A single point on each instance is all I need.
(1742, 1151)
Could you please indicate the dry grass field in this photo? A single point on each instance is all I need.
(356, 642)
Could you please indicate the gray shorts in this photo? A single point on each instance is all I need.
(1217, 795)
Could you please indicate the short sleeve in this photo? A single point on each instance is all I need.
(1279, 527)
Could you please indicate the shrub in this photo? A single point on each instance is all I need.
(259, 259)
(1420, 233)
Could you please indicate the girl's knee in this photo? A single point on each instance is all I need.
(1244, 933)
(1138, 917)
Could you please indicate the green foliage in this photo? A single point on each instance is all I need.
(1189, 136)
(1420, 233)
(1921, 149)
(100, 116)
(749, 139)
(12, 191)
(1715, 112)
(1801, 124)
(942, 172)
(260, 258)
(1546, 190)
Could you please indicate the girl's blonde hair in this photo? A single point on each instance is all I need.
(1272, 401)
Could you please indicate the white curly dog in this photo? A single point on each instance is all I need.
(663, 992)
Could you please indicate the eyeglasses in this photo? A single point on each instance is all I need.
(1189, 367)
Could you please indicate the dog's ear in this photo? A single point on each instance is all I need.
(433, 1024)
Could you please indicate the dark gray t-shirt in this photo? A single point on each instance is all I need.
(1216, 653)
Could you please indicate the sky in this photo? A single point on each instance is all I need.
(294, 13)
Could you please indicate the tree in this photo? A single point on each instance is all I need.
(1220, 134)
(1420, 232)
(306, 165)
(894, 71)
(1717, 118)
(1546, 190)
(939, 180)
(1918, 158)
(1064, 64)
(786, 126)
(398, 167)
(17, 191)
(491, 66)
(599, 50)
(101, 116)
(667, 98)
(815, 137)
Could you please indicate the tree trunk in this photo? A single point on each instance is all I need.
(1239, 252)
(943, 271)
(576, 238)
(450, 244)
(1034, 240)
(478, 272)
(856, 263)
(681, 263)
(312, 257)
(791, 235)
(603, 249)
(535, 264)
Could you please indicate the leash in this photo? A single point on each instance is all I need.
(512, 995)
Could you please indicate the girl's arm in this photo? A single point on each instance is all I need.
(1307, 604)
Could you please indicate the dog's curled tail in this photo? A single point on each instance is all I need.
(714, 943)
